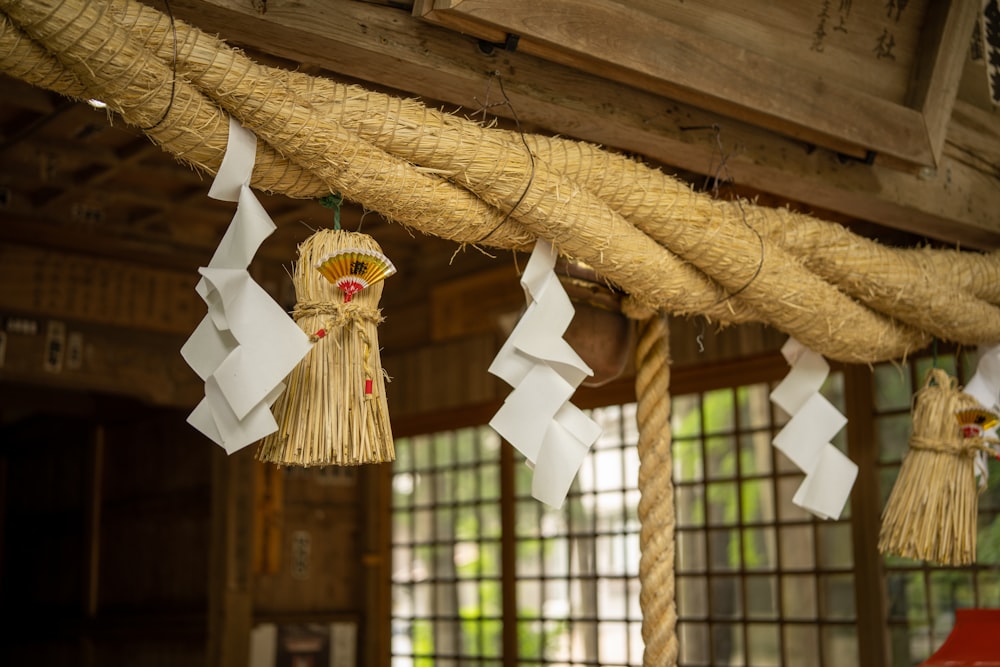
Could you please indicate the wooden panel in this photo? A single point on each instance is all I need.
(144, 365)
(319, 569)
(837, 77)
(436, 377)
(47, 282)
(155, 515)
(478, 304)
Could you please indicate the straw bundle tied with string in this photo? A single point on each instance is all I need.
(333, 410)
(931, 511)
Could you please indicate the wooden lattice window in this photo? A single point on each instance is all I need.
(483, 574)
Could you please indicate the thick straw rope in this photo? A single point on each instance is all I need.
(466, 152)
(631, 245)
(656, 501)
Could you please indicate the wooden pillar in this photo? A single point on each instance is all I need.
(230, 602)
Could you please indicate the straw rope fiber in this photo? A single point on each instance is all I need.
(656, 499)
(325, 416)
(931, 511)
(672, 249)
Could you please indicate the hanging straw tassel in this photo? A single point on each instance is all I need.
(931, 512)
(333, 411)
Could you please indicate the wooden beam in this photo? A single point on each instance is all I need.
(626, 43)
(79, 356)
(956, 203)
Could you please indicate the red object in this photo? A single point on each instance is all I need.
(368, 386)
(972, 642)
(349, 288)
(321, 333)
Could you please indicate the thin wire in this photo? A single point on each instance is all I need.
(531, 157)
(721, 169)
(173, 78)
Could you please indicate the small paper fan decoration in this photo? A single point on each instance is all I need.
(354, 269)
(973, 422)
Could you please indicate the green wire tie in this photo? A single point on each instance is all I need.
(334, 201)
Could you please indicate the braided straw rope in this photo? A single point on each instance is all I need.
(672, 249)
(656, 502)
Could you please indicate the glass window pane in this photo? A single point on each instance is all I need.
(720, 453)
(688, 465)
(797, 547)
(949, 589)
(801, 644)
(755, 453)
(726, 597)
(757, 501)
(840, 646)
(892, 436)
(685, 418)
(988, 589)
(613, 644)
(722, 502)
(943, 361)
(727, 645)
(763, 645)
(798, 597)
(717, 406)
(688, 506)
(892, 387)
(834, 545)
(692, 597)
(724, 549)
(759, 549)
(762, 596)
(754, 406)
(691, 553)
(692, 639)
(838, 597)
(787, 510)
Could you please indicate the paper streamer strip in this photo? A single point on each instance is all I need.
(537, 417)
(246, 344)
(985, 388)
(805, 439)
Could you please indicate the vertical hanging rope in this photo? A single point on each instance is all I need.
(656, 502)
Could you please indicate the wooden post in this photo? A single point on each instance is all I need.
(230, 617)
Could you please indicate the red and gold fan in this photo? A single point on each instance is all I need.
(354, 269)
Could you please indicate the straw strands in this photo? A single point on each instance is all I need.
(333, 410)
(931, 511)
(672, 249)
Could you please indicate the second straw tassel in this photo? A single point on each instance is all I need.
(334, 411)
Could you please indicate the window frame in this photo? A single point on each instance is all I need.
(871, 598)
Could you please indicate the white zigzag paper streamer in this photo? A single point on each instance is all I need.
(985, 388)
(246, 344)
(537, 417)
(805, 439)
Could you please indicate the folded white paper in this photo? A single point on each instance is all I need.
(246, 344)
(985, 383)
(805, 439)
(537, 417)
(985, 388)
